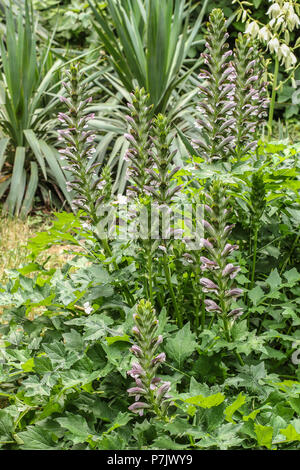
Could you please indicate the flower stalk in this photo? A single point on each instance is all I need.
(221, 272)
(217, 96)
(150, 391)
(78, 149)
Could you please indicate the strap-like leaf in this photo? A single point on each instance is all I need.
(31, 190)
(16, 181)
(3, 145)
(35, 147)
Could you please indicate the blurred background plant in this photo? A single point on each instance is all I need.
(138, 39)
(29, 81)
(279, 36)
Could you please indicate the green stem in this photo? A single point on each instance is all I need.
(149, 264)
(273, 97)
(203, 313)
(229, 339)
(255, 239)
(169, 282)
(289, 255)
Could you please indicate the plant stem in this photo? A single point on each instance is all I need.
(229, 339)
(168, 278)
(290, 253)
(149, 265)
(273, 97)
(254, 257)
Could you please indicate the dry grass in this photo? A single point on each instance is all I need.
(14, 236)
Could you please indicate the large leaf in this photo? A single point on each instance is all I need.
(16, 181)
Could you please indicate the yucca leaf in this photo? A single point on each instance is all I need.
(3, 145)
(21, 192)
(4, 185)
(31, 190)
(35, 147)
(51, 156)
(16, 181)
(187, 144)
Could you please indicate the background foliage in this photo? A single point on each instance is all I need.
(66, 327)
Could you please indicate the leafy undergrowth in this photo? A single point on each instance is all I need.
(63, 371)
(66, 334)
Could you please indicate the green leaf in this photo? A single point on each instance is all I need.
(6, 426)
(274, 280)
(295, 214)
(16, 180)
(76, 424)
(264, 435)
(73, 341)
(3, 145)
(256, 295)
(292, 276)
(290, 433)
(35, 146)
(225, 437)
(113, 339)
(165, 442)
(31, 190)
(231, 409)
(36, 438)
(206, 402)
(28, 366)
(251, 415)
(181, 346)
(121, 420)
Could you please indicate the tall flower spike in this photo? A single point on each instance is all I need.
(150, 392)
(78, 148)
(250, 95)
(163, 169)
(220, 271)
(138, 156)
(217, 95)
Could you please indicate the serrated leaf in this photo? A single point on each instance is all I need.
(206, 402)
(6, 426)
(256, 295)
(290, 433)
(121, 420)
(76, 424)
(181, 346)
(36, 438)
(165, 442)
(231, 409)
(292, 276)
(73, 340)
(28, 366)
(274, 280)
(264, 435)
(113, 339)
(251, 415)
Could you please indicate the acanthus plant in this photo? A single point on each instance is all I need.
(138, 155)
(151, 173)
(150, 392)
(217, 94)
(77, 151)
(218, 269)
(250, 96)
(233, 96)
